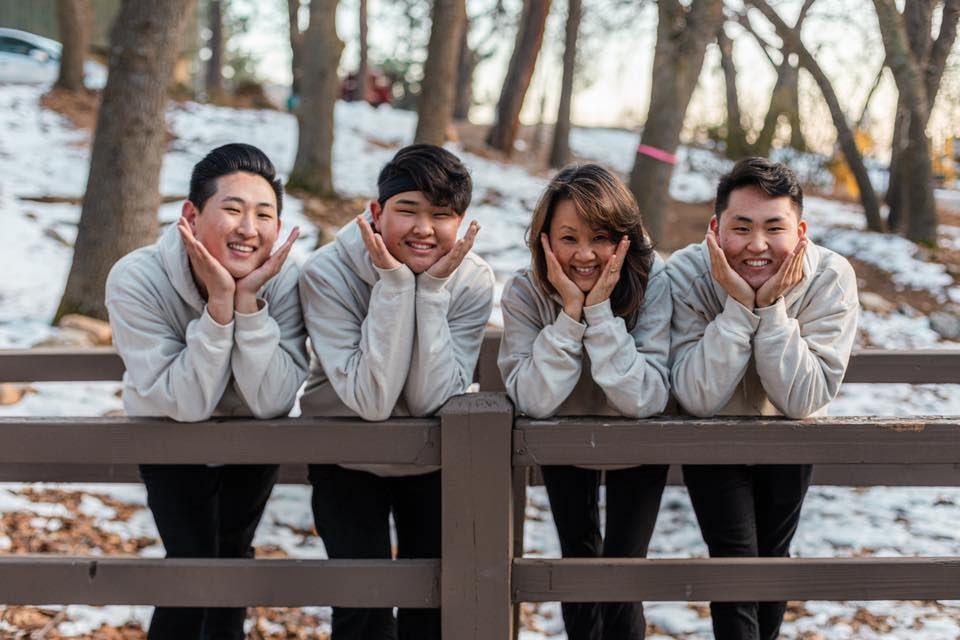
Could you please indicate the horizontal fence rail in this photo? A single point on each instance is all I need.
(44, 579)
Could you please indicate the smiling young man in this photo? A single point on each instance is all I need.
(763, 324)
(208, 322)
(395, 307)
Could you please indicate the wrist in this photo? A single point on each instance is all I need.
(574, 310)
(220, 309)
(245, 301)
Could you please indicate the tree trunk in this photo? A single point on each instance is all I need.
(682, 38)
(321, 48)
(526, 49)
(736, 137)
(435, 106)
(466, 65)
(560, 150)
(845, 137)
(363, 71)
(907, 196)
(296, 45)
(119, 211)
(214, 79)
(74, 21)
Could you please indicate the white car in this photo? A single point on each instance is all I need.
(29, 58)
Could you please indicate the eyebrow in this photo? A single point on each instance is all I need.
(751, 221)
(240, 200)
(412, 203)
(568, 227)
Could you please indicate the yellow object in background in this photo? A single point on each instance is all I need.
(844, 183)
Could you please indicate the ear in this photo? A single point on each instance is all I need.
(715, 225)
(189, 212)
(802, 229)
(376, 210)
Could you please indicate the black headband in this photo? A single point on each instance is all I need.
(392, 186)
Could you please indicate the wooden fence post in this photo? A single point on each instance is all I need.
(477, 496)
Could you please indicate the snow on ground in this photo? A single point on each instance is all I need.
(836, 522)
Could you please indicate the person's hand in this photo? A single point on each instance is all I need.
(610, 275)
(787, 276)
(449, 262)
(569, 292)
(382, 259)
(215, 281)
(245, 299)
(731, 281)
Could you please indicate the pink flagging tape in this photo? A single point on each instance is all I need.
(657, 154)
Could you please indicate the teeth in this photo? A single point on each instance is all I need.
(417, 245)
(585, 270)
(757, 263)
(241, 248)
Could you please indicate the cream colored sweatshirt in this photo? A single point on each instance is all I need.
(389, 342)
(786, 359)
(181, 363)
(552, 364)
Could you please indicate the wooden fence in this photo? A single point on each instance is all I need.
(485, 454)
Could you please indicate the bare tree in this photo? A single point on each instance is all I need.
(683, 33)
(917, 62)
(74, 18)
(214, 78)
(791, 39)
(467, 63)
(313, 168)
(435, 107)
(296, 45)
(119, 211)
(362, 71)
(736, 137)
(533, 23)
(560, 150)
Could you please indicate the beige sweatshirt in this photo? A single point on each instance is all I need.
(181, 363)
(389, 342)
(553, 364)
(786, 359)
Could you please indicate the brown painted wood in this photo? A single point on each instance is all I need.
(921, 440)
(736, 579)
(109, 473)
(68, 365)
(227, 440)
(36, 580)
(477, 517)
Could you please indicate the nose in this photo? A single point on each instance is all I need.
(758, 243)
(247, 226)
(585, 253)
(422, 227)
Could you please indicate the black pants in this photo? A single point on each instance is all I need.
(351, 511)
(747, 511)
(633, 500)
(205, 512)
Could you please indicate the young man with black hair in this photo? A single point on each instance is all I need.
(208, 322)
(395, 307)
(763, 324)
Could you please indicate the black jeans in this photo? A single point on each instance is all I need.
(205, 512)
(351, 510)
(747, 511)
(633, 500)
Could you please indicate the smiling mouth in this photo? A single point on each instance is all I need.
(757, 263)
(241, 248)
(585, 271)
(420, 247)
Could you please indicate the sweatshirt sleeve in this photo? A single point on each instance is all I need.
(447, 339)
(365, 355)
(269, 359)
(801, 361)
(179, 376)
(709, 356)
(540, 364)
(632, 367)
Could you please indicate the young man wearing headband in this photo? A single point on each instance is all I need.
(395, 307)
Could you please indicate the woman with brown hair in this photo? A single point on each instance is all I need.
(587, 331)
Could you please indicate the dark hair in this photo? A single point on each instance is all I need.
(432, 170)
(603, 201)
(773, 178)
(231, 158)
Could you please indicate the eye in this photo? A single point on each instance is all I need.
(601, 238)
(442, 214)
(568, 239)
(231, 209)
(406, 212)
(776, 229)
(742, 229)
(265, 216)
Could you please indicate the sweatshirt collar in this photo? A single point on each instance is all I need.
(176, 264)
(354, 252)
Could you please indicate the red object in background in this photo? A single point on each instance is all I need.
(379, 88)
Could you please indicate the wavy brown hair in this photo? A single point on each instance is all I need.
(603, 202)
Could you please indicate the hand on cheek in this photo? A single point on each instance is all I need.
(731, 281)
(214, 279)
(449, 262)
(569, 292)
(381, 258)
(787, 276)
(610, 275)
(245, 300)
